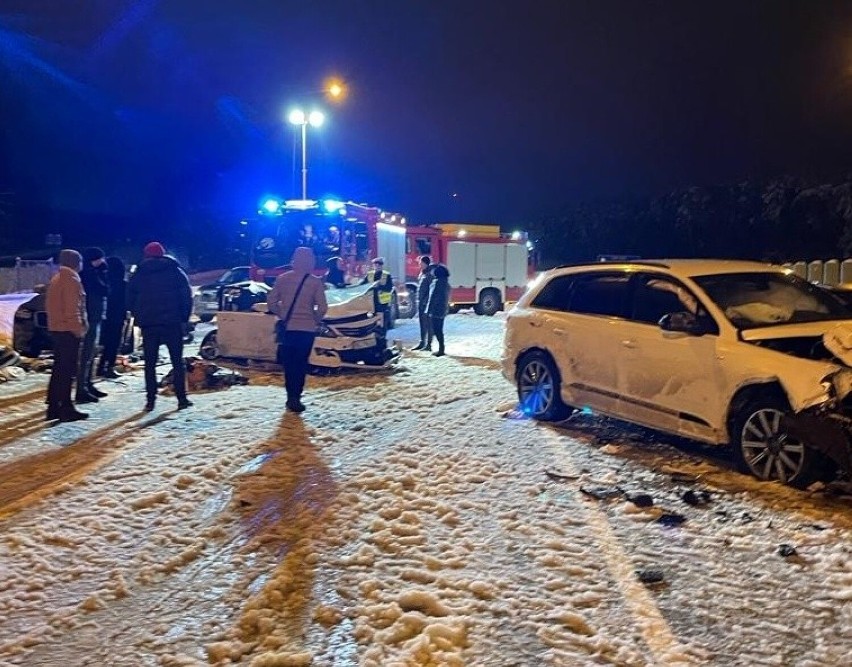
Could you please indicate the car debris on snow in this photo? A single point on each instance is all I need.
(640, 499)
(696, 498)
(560, 476)
(787, 550)
(671, 519)
(602, 492)
(651, 576)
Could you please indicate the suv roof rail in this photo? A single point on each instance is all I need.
(641, 262)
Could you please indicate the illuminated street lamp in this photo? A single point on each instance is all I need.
(314, 119)
(335, 89)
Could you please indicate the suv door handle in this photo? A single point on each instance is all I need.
(629, 344)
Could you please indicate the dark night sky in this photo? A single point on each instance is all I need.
(140, 106)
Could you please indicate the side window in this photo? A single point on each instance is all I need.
(658, 295)
(600, 294)
(424, 246)
(555, 294)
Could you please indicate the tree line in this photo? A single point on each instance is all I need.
(780, 220)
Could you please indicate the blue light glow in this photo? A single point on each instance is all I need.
(332, 205)
(271, 205)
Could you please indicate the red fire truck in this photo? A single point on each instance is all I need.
(487, 268)
(355, 232)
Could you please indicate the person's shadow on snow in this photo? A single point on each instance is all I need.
(282, 498)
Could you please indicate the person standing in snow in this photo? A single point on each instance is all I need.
(439, 304)
(160, 298)
(67, 324)
(116, 314)
(96, 287)
(298, 299)
(424, 281)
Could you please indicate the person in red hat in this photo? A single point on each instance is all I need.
(160, 298)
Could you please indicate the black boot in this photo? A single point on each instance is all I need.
(94, 391)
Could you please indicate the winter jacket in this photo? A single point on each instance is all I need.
(384, 285)
(116, 303)
(96, 287)
(159, 293)
(311, 305)
(335, 275)
(439, 292)
(66, 303)
(424, 282)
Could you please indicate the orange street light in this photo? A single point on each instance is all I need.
(335, 89)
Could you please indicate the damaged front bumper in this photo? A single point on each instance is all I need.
(825, 425)
(827, 432)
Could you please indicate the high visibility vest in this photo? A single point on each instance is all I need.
(384, 295)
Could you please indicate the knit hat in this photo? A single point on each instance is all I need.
(70, 259)
(91, 254)
(154, 249)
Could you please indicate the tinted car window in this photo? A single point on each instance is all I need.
(656, 296)
(599, 294)
(555, 294)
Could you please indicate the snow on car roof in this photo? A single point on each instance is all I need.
(683, 267)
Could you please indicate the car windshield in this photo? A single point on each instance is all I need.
(751, 300)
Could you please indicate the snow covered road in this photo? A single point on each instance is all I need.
(402, 520)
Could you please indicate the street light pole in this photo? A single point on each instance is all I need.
(315, 119)
(304, 161)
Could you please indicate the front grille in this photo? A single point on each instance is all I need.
(357, 332)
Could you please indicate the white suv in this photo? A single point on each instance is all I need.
(719, 351)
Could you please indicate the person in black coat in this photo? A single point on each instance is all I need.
(424, 281)
(94, 279)
(335, 275)
(160, 298)
(439, 304)
(116, 315)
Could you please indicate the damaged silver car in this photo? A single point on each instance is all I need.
(725, 352)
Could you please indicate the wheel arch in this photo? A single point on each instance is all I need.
(771, 389)
(527, 352)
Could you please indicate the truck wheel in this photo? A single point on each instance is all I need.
(209, 348)
(763, 449)
(489, 302)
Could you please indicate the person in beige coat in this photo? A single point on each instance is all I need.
(67, 324)
(298, 299)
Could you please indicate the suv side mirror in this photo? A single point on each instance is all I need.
(683, 322)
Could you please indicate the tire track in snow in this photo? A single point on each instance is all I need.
(656, 633)
(23, 397)
(30, 479)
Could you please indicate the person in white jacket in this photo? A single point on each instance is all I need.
(298, 299)
(67, 323)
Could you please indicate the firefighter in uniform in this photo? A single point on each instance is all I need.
(383, 289)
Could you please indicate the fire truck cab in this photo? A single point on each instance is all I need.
(356, 233)
(487, 268)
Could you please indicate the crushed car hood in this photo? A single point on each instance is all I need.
(820, 341)
(793, 330)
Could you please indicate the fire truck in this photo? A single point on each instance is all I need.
(357, 233)
(487, 268)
